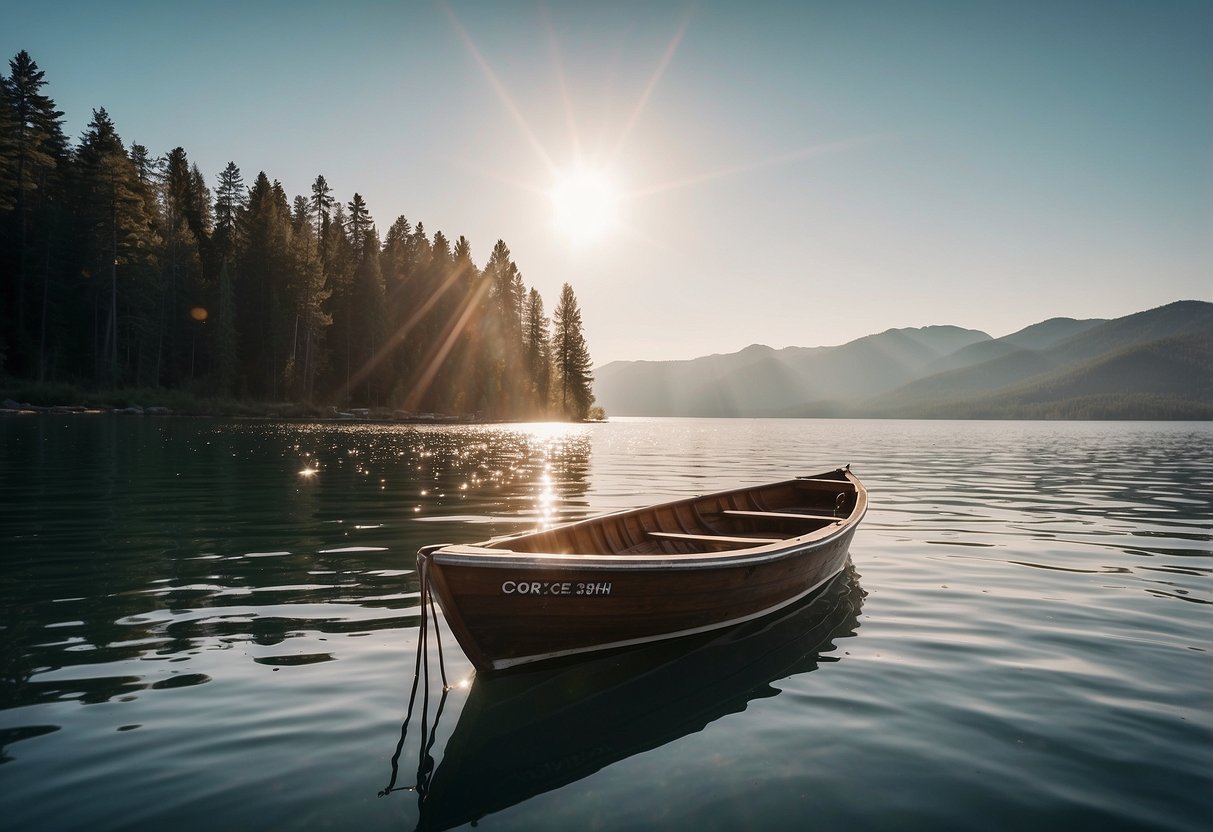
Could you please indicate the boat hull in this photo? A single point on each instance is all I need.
(524, 610)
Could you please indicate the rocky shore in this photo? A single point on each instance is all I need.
(284, 411)
(10, 406)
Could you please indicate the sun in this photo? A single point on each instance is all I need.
(585, 204)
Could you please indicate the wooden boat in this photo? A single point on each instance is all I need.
(644, 575)
(541, 728)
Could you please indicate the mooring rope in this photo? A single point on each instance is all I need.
(428, 596)
(421, 677)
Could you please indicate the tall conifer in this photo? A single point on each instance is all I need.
(117, 230)
(536, 353)
(571, 358)
(8, 150)
(230, 198)
(36, 154)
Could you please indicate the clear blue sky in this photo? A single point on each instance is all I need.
(790, 173)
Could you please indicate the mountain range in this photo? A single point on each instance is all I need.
(1156, 364)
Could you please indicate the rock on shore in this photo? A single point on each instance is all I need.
(10, 406)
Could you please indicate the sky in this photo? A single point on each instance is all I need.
(790, 174)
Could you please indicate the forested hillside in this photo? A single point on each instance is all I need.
(122, 267)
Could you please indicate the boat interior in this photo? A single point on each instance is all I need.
(740, 519)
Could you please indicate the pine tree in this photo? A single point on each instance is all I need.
(35, 156)
(339, 266)
(423, 327)
(463, 377)
(503, 325)
(145, 165)
(536, 353)
(394, 263)
(263, 279)
(359, 308)
(39, 144)
(312, 312)
(185, 228)
(8, 150)
(396, 267)
(321, 203)
(435, 334)
(506, 289)
(358, 223)
(300, 245)
(401, 278)
(8, 201)
(117, 231)
(368, 311)
(571, 358)
(198, 211)
(230, 200)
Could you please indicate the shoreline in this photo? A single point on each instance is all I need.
(288, 411)
(267, 412)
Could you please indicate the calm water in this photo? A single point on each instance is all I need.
(198, 632)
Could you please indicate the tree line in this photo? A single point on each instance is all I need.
(124, 269)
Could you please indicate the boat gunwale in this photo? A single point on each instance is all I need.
(478, 555)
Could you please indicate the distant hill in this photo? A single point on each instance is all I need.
(762, 380)
(1036, 337)
(1155, 364)
(1049, 333)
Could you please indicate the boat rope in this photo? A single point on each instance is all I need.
(428, 600)
(422, 680)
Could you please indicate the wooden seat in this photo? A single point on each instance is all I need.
(782, 515)
(817, 483)
(715, 538)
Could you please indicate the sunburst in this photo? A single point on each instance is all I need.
(586, 197)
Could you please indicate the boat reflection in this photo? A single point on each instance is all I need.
(525, 732)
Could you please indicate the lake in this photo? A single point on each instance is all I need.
(213, 624)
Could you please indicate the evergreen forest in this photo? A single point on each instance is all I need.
(124, 269)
